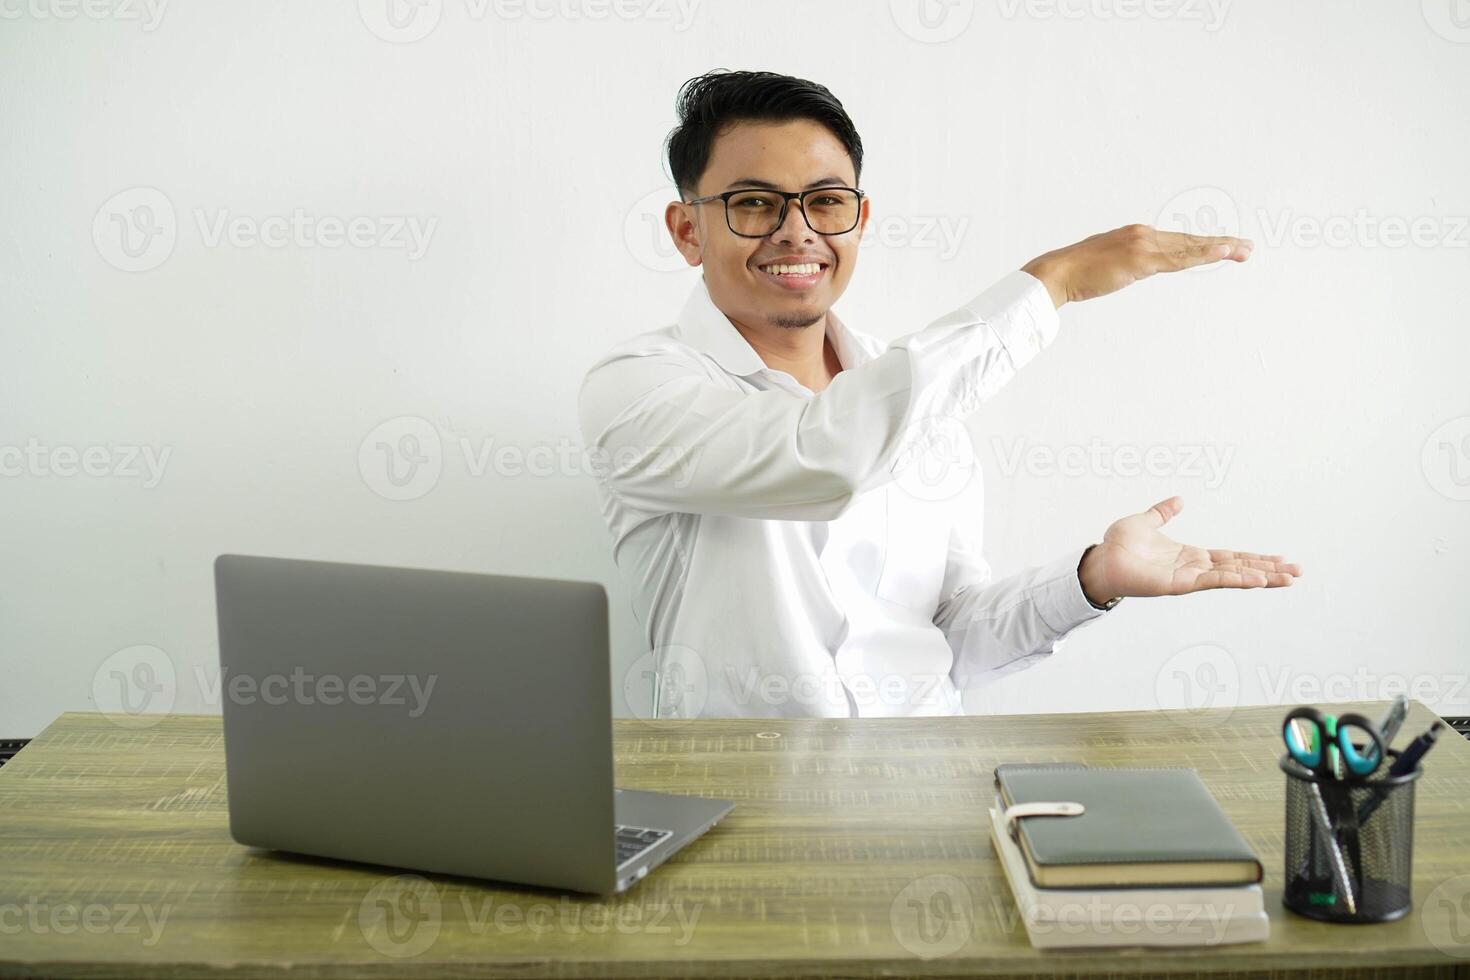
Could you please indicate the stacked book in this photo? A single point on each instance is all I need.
(1124, 857)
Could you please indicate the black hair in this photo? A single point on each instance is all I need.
(709, 102)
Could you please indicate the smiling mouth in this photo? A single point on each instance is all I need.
(798, 276)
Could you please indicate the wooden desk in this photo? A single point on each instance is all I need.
(115, 860)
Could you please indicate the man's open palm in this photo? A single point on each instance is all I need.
(1136, 558)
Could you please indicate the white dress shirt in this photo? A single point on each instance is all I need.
(780, 562)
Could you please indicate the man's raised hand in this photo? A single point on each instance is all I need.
(1109, 261)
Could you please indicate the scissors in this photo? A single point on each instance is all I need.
(1325, 744)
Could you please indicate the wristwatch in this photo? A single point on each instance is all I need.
(1106, 605)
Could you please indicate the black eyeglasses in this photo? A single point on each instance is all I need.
(756, 214)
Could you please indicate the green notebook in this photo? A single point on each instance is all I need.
(1139, 828)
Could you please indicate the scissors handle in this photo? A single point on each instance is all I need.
(1353, 728)
(1328, 740)
(1305, 733)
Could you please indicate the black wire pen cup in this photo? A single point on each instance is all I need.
(1349, 844)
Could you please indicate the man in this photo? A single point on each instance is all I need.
(750, 458)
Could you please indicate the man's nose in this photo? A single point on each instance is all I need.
(794, 228)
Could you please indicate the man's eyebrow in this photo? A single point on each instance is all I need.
(767, 185)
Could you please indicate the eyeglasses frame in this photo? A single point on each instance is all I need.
(788, 197)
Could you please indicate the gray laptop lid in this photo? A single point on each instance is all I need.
(440, 721)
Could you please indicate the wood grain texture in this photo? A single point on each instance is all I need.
(857, 848)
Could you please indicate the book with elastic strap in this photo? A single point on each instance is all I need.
(1139, 827)
(1068, 917)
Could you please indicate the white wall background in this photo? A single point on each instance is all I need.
(523, 141)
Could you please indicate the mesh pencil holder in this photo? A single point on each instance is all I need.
(1349, 844)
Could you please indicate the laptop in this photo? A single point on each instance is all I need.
(436, 721)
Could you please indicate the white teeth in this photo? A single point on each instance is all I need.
(806, 269)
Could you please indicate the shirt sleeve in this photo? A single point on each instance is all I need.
(999, 627)
(665, 437)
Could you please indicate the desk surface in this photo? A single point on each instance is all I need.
(857, 848)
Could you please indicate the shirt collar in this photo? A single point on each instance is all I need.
(707, 329)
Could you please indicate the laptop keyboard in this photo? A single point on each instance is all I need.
(633, 842)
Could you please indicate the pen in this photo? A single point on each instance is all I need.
(1327, 846)
(1340, 876)
(1393, 719)
(1329, 842)
(1408, 760)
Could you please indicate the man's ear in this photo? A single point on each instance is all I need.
(683, 224)
(863, 214)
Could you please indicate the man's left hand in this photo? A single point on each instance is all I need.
(1136, 559)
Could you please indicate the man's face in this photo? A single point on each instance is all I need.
(793, 156)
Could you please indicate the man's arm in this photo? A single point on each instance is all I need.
(999, 627)
(666, 438)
